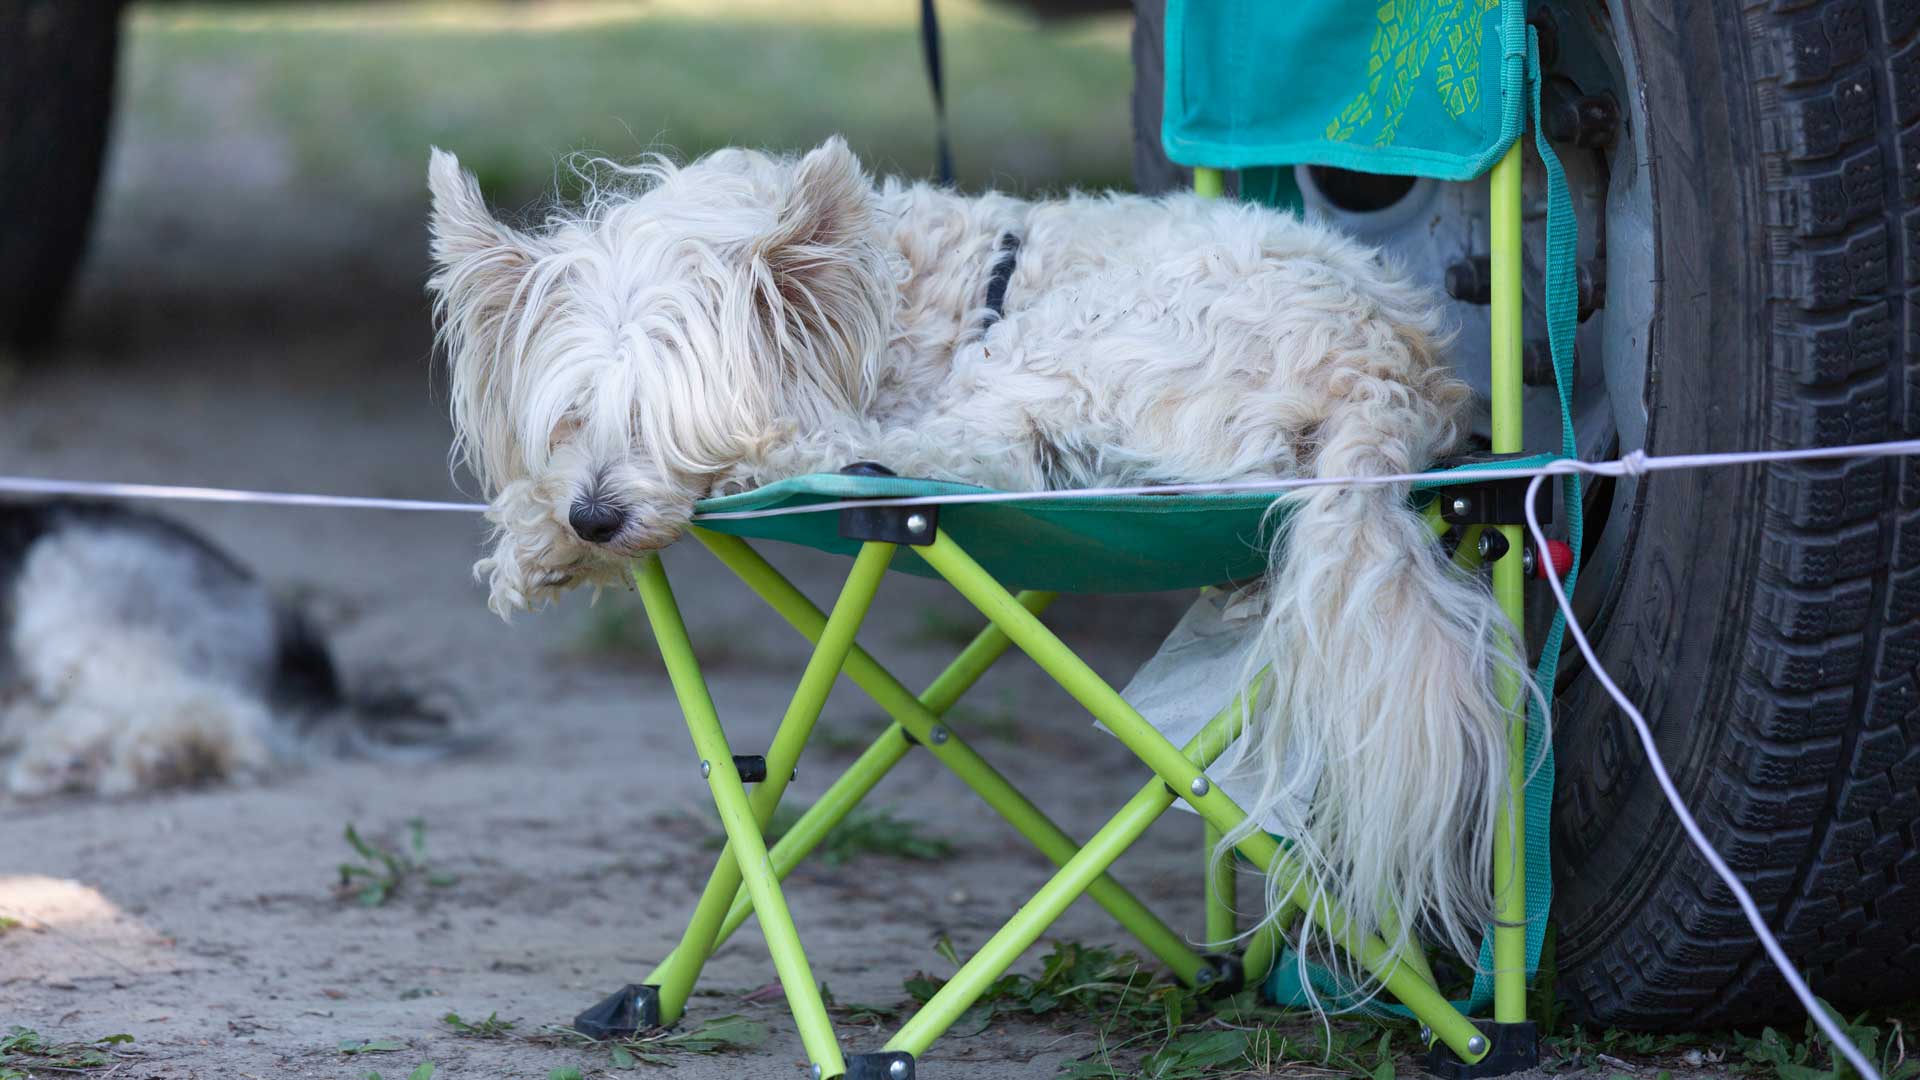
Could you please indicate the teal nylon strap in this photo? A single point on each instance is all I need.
(1562, 323)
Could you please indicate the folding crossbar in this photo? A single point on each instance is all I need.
(746, 877)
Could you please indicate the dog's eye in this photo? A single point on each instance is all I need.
(564, 431)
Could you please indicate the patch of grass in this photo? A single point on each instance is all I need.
(1160, 1030)
(1812, 1056)
(863, 832)
(719, 1035)
(8, 922)
(24, 1050)
(491, 1028)
(382, 873)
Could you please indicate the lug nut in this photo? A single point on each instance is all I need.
(1542, 20)
(1470, 280)
(1591, 283)
(1588, 121)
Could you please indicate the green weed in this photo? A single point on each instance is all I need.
(382, 872)
(720, 1035)
(24, 1050)
(491, 1028)
(1812, 1057)
(1160, 1030)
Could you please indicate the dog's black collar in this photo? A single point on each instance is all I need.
(1009, 249)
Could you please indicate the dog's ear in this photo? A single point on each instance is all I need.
(829, 204)
(462, 228)
(479, 267)
(822, 261)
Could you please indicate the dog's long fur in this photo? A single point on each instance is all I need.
(700, 329)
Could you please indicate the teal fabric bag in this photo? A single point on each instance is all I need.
(1412, 87)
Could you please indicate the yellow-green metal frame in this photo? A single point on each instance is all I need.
(1510, 827)
(745, 880)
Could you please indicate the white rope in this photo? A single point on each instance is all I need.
(1841, 1043)
(1635, 463)
(26, 485)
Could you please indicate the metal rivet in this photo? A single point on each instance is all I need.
(1462, 506)
(1526, 562)
(705, 770)
(916, 523)
(1426, 1035)
(938, 735)
(816, 1072)
(795, 776)
(1199, 786)
(1477, 1045)
(1486, 544)
(897, 1070)
(1203, 977)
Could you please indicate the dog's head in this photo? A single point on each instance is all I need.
(607, 366)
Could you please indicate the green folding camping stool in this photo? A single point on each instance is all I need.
(1364, 116)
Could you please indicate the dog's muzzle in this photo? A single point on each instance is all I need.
(595, 520)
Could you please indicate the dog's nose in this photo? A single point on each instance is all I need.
(595, 521)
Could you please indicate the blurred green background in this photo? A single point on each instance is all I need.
(347, 96)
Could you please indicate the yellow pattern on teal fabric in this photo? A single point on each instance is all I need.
(1405, 38)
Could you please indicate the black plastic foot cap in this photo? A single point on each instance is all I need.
(627, 1011)
(885, 1065)
(1515, 1048)
(1227, 974)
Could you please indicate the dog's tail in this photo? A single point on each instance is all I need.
(1385, 661)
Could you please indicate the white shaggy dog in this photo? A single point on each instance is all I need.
(708, 328)
(135, 655)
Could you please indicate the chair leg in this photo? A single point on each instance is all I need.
(980, 971)
(739, 816)
(1181, 773)
(1509, 854)
(920, 717)
(1222, 882)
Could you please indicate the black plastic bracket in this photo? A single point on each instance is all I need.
(627, 1011)
(1229, 974)
(751, 767)
(912, 525)
(881, 1065)
(1492, 502)
(1515, 1048)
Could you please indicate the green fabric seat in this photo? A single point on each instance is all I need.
(1132, 543)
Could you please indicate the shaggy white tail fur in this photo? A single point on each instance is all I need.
(1383, 662)
(721, 325)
